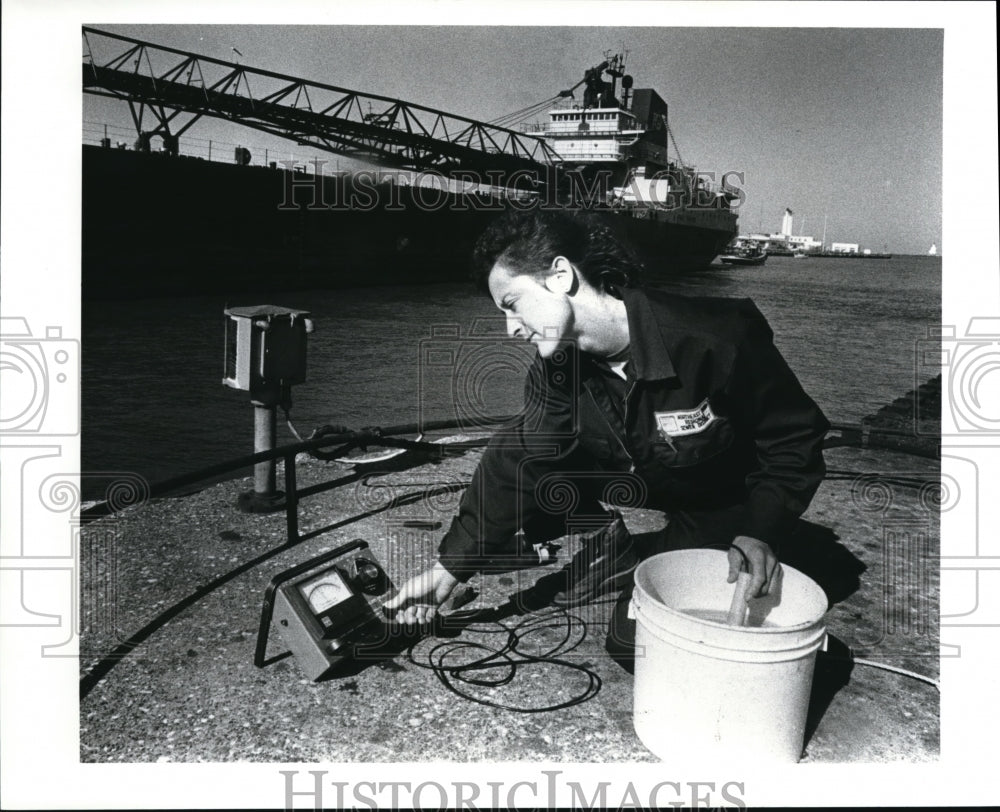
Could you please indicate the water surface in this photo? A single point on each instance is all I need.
(154, 404)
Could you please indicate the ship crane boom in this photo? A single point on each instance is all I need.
(171, 84)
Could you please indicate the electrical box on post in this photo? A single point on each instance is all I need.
(265, 350)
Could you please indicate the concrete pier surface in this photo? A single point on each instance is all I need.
(172, 592)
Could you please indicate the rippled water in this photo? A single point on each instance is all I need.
(153, 402)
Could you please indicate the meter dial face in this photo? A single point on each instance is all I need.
(325, 590)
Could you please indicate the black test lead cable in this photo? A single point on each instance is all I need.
(508, 657)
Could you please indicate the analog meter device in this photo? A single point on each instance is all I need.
(322, 608)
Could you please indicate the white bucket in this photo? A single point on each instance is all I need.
(706, 691)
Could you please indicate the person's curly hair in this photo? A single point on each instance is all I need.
(527, 242)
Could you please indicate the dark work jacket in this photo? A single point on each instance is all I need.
(710, 417)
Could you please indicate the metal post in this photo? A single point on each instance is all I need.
(265, 423)
(265, 497)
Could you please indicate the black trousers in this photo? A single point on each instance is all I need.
(685, 530)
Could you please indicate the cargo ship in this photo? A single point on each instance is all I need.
(161, 223)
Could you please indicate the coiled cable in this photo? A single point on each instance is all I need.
(507, 659)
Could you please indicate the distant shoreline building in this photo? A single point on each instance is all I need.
(844, 247)
(784, 242)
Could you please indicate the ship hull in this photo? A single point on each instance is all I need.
(673, 243)
(157, 225)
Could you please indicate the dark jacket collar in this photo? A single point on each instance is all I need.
(650, 359)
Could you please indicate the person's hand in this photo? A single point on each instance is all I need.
(763, 565)
(420, 597)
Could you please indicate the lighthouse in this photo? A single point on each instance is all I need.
(786, 223)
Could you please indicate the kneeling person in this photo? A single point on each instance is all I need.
(687, 399)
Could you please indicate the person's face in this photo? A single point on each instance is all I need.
(537, 309)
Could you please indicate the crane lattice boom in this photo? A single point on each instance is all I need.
(171, 82)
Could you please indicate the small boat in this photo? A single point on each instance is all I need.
(744, 251)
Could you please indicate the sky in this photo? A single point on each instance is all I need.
(843, 126)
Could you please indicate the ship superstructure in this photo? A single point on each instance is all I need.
(617, 142)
